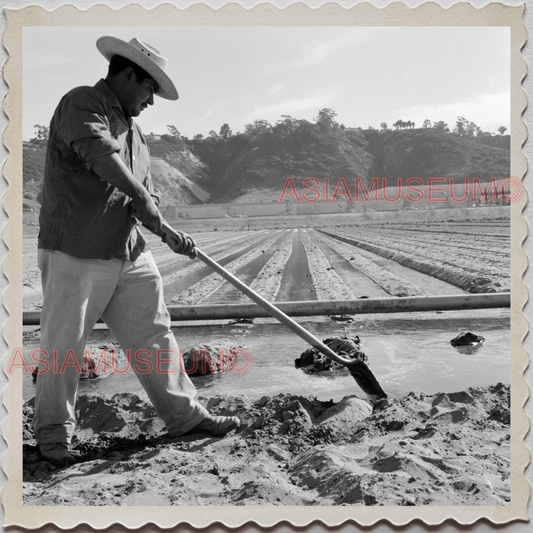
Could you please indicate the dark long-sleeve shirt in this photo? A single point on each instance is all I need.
(82, 214)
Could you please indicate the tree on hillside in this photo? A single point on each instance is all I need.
(225, 131)
(198, 137)
(173, 131)
(174, 135)
(472, 130)
(286, 125)
(356, 137)
(305, 132)
(465, 128)
(383, 125)
(325, 119)
(426, 123)
(502, 130)
(257, 129)
(460, 126)
(400, 124)
(41, 135)
(441, 125)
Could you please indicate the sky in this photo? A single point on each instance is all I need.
(235, 75)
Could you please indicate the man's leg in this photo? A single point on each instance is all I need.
(138, 318)
(75, 292)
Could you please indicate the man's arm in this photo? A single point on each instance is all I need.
(113, 170)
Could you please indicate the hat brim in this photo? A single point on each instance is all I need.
(111, 46)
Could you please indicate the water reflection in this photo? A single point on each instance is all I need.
(468, 350)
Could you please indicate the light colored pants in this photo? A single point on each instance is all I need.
(129, 297)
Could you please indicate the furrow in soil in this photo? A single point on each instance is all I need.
(207, 286)
(327, 283)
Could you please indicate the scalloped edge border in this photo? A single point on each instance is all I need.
(394, 14)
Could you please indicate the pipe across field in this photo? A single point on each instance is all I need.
(329, 307)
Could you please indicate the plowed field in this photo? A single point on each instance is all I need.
(332, 262)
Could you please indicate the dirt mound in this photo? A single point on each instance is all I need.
(441, 449)
(105, 424)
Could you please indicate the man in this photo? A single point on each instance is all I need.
(94, 260)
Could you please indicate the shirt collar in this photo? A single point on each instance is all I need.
(111, 97)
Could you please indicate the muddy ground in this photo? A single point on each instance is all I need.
(443, 449)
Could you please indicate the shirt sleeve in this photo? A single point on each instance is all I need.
(84, 127)
(154, 193)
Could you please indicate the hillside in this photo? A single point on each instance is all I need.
(176, 172)
(32, 172)
(254, 166)
(260, 165)
(428, 153)
(175, 187)
(176, 153)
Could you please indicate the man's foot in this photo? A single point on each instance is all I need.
(56, 453)
(216, 426)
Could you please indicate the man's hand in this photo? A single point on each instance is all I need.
(185, 245)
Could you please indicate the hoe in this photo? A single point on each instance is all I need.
(358, 369)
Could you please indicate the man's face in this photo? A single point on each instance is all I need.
(138, 95)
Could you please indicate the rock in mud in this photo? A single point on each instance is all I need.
(467, 339)
(206, 359)
(241, 321)
(342, 318)
(313, 361)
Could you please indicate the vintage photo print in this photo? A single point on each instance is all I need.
(265, 258)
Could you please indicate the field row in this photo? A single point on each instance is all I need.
(339, 263)
(465, 260)
(308, 264)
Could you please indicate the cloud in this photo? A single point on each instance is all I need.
(309, 54)
(275, 89)
(208, 112)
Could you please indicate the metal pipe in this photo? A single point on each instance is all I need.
(346, 307)
(329, 307)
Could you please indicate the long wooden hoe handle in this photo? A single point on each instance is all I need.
(264, 304)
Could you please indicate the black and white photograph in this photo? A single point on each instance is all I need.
(269, 264)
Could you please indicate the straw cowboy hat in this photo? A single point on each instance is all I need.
(142, 54)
